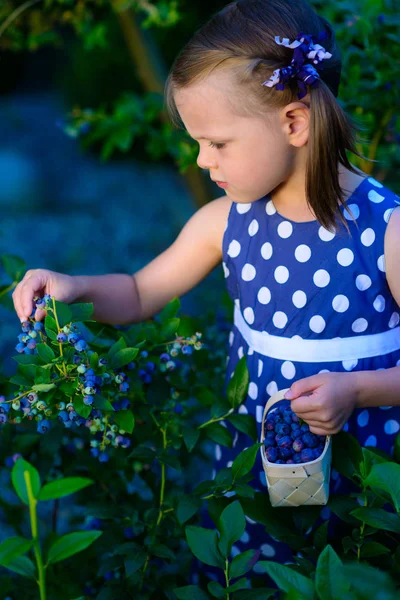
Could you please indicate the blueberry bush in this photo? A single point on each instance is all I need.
(106, 442)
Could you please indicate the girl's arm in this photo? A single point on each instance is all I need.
(125, 299)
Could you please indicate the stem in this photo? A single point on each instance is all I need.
(16, 14)
(361, 533)
(227, 576)
(211, 421)
(36, 544)
(8, 289)
(58, 329)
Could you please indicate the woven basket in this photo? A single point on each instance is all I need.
(297, 484)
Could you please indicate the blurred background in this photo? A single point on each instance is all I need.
(94, 178)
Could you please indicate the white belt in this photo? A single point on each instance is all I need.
(297, 349)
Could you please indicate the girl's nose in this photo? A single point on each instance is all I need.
(206, 159)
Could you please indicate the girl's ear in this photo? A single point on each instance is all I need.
(296, 123)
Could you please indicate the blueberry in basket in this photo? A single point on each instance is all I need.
(288, 440)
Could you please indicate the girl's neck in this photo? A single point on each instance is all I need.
(293, 206)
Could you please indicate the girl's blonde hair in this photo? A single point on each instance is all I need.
(241, 39)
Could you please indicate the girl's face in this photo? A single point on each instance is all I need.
(251, 154)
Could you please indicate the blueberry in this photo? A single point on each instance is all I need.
(272, 454)
(290, 461)
(310, 440)
(296, 434)
(270, 425)
(282, 428)
(305, 427)
(279, 462)
(295, 426)
(285, 453)
(297, 458)
(298, 445)
(307, 455)
(285, 442)
(288, 419)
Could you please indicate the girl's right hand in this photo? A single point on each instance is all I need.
(38, 282)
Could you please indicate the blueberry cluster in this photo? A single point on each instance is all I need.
(288, 440)
(89, 382)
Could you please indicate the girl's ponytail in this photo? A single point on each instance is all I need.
(332, 132)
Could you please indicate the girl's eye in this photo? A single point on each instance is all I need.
(219, 146)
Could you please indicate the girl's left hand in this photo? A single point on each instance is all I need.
(324, 401)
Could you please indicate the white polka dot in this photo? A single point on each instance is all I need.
(235, 550)
(285, 229)
(359, 325)
(299, 299)
(231, 338)
(375, 197)
(272, 388)
(349, 365)
(381, 263)
(234, 249)
(394, 320)
(218, 452)
(363, 418)
(340, 303)
(259, 413)
(253, 227)
(240, 352)
(245, 538)
(226, 270)
(379, 303)
(345, 257)
(363, 282)
(229, 463)
(248, 272)
(370, 441)
(243, 410)
(385, 407)
(267, 550)
(317, 324)
(248, 314)
(325, 235)
(398, 363)
(279, 319)
(388, 214)
(391, 427)
(250, 351)
(321, 278)
(288, 369)
(270, 208)
(355, 212)
(375, 182)
(281, 274)
(324, 371)
(266, 251)
(264, 295)
(243, 208)
(368, 237)
(250, 520)
(253, 390)
(302, 253)
(345, 427)
(260, 367)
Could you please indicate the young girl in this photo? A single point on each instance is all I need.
(309, 245)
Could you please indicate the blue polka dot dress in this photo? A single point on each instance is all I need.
(298, 290)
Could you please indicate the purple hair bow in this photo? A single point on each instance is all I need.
(306, 48)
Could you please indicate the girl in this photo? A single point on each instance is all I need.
(309, 245)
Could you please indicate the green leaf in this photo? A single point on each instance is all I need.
(19, 470)
(243, 490)
(190, 592)
(379, 518)
(94, 361)
(123, 357)
(64, 313)
(115, 348)
(20, 380)
(187, 507)
(347, 455)
(204, 545)
(43, 387)
(135, 561)
(216, 590)
(242, 563)
(125, 420)
(63, 487)
(81, 311)
(23, 566)
(244, 462)
(162, 551)
(321, 536)
(103, 403)
(257, 594)
(13, 547)
(45, 352)
(371, 549)
(169, 328)
(219, 434)
(71, 544)
(190, 437)
(386, 477)
(287, 579)
(81, 408)
(396, 449)
(50, 324)
(368, 582)
(246, 424)
(343, 506)
(236, 390)
(14, 266)
(330, 582)
(231, 525)
(170, 310)
(27, 359)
